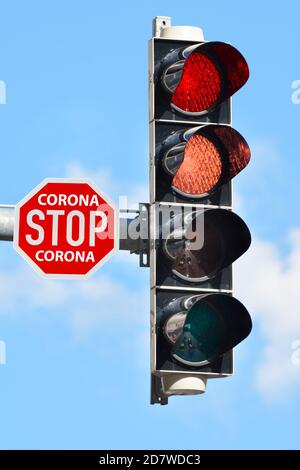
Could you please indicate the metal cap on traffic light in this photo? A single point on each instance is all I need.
(205, 241)
(199, 328)
(200, 77)
(201, 159)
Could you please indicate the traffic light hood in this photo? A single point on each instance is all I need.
(203, 76)
(200, 328)
(201, 159)
(209, 241)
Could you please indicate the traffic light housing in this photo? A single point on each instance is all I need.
(196, 78)
(193, 164)
(195, 236)
(195, 330)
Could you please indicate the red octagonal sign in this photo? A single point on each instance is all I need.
(66, 228)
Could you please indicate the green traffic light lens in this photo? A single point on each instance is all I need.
(202, 337)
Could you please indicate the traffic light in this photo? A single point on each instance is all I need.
(195, 329)
(195, 236)
(195, 162)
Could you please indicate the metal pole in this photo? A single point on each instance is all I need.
(128, 227)
(126, 243)
(7, 217)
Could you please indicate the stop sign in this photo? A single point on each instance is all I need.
(65, 228)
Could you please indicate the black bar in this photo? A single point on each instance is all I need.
(132, 458)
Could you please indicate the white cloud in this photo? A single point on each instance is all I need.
(87, 305)
(267, 281)
(129, 193)
(102, 303)
(266, 169)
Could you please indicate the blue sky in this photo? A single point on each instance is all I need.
(77, 372)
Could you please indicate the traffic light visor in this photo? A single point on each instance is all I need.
(210, 241)
(211, 73)
(212, 156)
(212, 325)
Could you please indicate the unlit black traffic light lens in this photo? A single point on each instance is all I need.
(209, 241)
(200, 328)
(202, 335)
(195, 264)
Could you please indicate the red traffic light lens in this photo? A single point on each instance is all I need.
(213, 155)
(213, 72)
(200, 85)
(233, 64)
(201, 168)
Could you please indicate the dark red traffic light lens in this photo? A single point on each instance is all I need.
(233, 64)
(237, 150)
